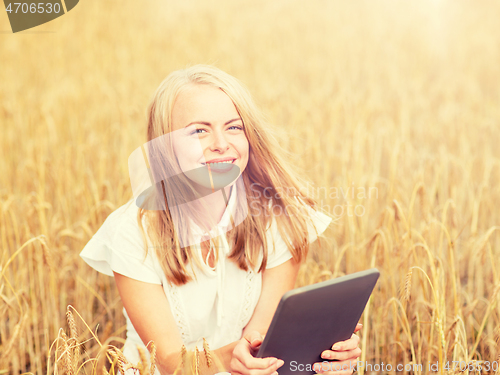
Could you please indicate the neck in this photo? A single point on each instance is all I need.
(215, 205)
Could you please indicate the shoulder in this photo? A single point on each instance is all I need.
(118, 246)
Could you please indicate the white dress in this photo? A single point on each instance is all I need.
(217, 305)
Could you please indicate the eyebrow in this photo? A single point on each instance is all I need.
(208, 124)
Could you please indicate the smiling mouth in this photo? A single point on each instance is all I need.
(219, 163)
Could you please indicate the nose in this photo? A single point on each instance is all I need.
(219, 141)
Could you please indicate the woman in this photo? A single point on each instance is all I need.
(216, 232)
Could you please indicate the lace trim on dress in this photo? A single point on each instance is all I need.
(247, 312)
(179, 314)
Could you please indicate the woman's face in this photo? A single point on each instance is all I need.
(208, 135)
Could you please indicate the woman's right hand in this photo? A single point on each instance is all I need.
(243, 361)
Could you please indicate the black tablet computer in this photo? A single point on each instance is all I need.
(311, 319)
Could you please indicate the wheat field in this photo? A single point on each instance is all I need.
(397, 102)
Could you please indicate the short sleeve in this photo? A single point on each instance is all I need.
(280, 254)
(118, 246)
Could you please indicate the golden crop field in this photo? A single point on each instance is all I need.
(391, 108)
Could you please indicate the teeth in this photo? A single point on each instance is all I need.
(221, 162)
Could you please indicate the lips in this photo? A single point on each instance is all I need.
(220, 161)
(220, 166)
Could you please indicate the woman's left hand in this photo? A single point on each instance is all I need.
(346, 354)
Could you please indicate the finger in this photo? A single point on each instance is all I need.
(350, 344)
(243, 354)
(254, 345)
(239, 368)
(250, 367)
(250, 361)
(254, 338)
(342, 355)
(358, 327)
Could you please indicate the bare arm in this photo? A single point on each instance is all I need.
(275, 282)
(149, 311)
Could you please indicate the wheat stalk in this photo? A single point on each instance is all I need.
(47, 256)
(407, 286)
(452, 326)
(153, 358)
(12, 340)
(143, 363)
(183, 356)
(74, 346)
(119, 358)
(196, 361)
(68, 357)
(208, 353)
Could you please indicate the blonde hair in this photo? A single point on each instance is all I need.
(266, 174)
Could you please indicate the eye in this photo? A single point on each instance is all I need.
(197, 131)
(236, 127)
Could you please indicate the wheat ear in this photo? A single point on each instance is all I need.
(183, 356)
(75, 357)
(143, 364)
(196, 361)
(208, 353)
(407, 288)
(153, 358)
